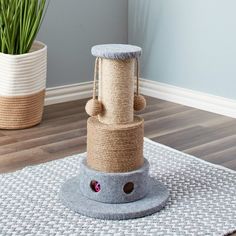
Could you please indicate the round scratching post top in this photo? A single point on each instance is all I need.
(116, 51)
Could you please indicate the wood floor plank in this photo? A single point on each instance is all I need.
(63, 133)
(61, 146)
(188, 138)
(212, 147)
(78, 124)
(156, 107)
(179, 121)
(175, 139)
(209, 134)
(38, 142)
(48, 124)
(230, 165)
(64, 112)
(158, 113)
(64, 106)
(222, 157)
(6, 140)
(14, 161)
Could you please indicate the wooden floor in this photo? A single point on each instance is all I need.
(63, 132)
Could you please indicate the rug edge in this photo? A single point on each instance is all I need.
(145, 140)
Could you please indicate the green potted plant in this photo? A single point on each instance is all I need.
(23, 63)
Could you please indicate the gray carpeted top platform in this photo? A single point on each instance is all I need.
(116, 51)
(202, 202)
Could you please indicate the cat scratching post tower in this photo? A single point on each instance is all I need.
(114, 182)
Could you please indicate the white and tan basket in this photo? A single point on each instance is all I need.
(22, 87)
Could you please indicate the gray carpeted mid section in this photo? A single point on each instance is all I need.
(112, 184)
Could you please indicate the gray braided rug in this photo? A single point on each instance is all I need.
(203, 200)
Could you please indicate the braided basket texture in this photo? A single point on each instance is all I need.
(22, 87)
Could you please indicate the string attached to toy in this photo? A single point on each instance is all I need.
(95, 76)
(139, 100)
(93, 106)
(137, 76)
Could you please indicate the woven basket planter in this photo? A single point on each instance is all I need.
(22, 87)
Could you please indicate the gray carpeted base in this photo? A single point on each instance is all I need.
(112, 184)
(154, 201)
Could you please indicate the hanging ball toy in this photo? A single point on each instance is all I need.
(139, 102)
(93, 107)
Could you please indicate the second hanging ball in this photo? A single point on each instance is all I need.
(139, 102)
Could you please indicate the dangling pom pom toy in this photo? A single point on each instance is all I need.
(93, 107)
(139, 102)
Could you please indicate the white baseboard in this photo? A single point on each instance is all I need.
(203, 101)
(187, 97)
(68, 93)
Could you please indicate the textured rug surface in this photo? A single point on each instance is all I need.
(202, 202)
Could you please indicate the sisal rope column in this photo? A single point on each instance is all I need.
(116, 91)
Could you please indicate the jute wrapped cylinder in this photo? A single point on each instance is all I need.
(116, 90)
(115, 148)
(22, 87)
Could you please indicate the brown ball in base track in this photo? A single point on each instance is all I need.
(93, 107)
(139, 102)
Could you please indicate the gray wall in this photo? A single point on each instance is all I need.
(71, 27)
(187, 43)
